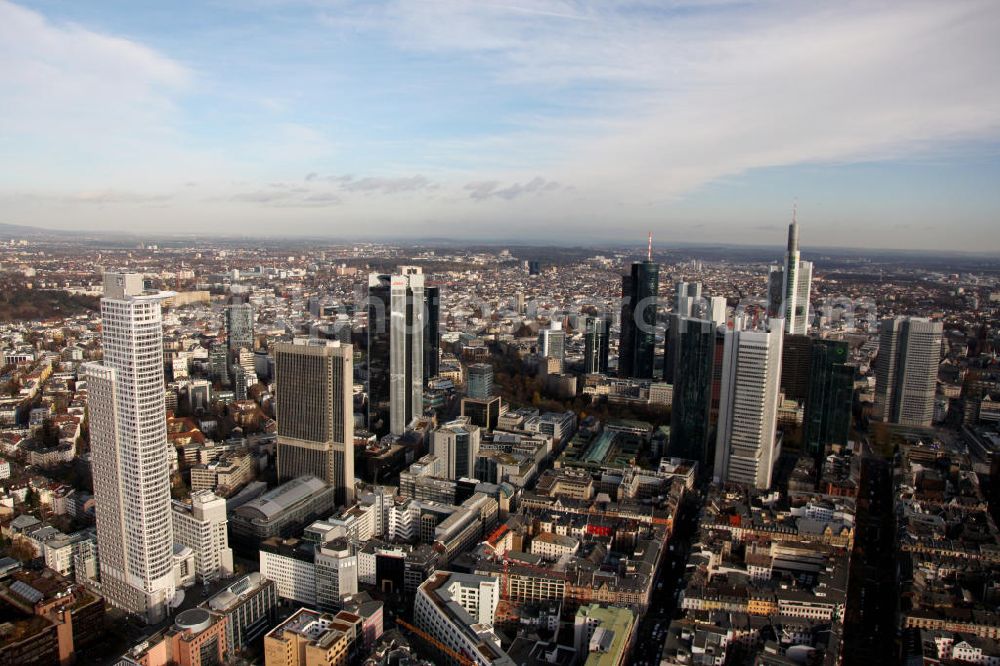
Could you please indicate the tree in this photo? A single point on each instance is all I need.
(21, 549)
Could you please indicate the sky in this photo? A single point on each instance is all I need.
(516, 120)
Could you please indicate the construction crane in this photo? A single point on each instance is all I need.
(457, 656)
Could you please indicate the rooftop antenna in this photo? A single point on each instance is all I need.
(649, 251)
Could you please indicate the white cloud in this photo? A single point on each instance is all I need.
(688, 93)
(71, 81)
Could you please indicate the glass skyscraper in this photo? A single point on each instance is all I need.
(831, 396)
(396, 349)
(596, 345)
(637, 349)
(690, 417)
(432, 332)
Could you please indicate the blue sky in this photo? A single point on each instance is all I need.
(701, 121)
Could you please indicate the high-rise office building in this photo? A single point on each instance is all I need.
(480, 382)
(687, 295)
(552, 342)
(690, 417)
(457, 443)
(130, 453)
(717, 310)
(395, 349)
(906, 370)
(789, 286)
(796, 351)
(534, 267)
(596, 341)
(745, 444)
(671, 342)
(239, 325)
(218, 358)
(830, 397)
(637, 349)
(314, 404)
(432, 332)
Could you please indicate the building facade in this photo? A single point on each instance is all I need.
(129, 451)
(745, 445)
(637, 349)
(906, 370)
(315, 411)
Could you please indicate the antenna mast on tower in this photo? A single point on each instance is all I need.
(649, 251)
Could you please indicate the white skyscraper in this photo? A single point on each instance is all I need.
(789, 286)
(396, 316)
(552, 342)
(717, 310)
(906, 370)
(130, 453)
(745, 446)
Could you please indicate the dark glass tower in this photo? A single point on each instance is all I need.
(831, 396)
(595, 345)
(690, 418)
(377, 352)
(637, 350)
(795, 366)
(432, 332)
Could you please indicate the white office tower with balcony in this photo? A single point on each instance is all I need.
(201, 526)
(906, 370)
(458, 609)
(130, 453)
(552, 342)
(789, 287)
(745, 447)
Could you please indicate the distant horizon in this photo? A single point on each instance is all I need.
(495, 242)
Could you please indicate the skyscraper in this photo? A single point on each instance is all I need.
(690, 417)
(596, 345)
(457, 444)
(314, 404)
(686, 296)
(239, 325)
(906, 370)
(830, 396)
(432, 332)
(552, 342)
(130, 453)
(395, 349)
(480, 383)
(637, 349)
(796, 351)
(717, 310)
(745, 445)
(789, 286)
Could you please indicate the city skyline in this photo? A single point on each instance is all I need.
(700, 122)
